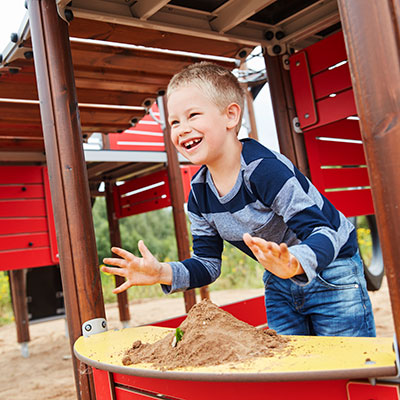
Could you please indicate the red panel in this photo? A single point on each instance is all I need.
(332, 109)
(302, 90)
(195, 390)
(251, 311)
(50, 219)
(21, 192)
(103, 384)
(342, 129)
(25, 241)
(340, 153)
(352, 202)
(366, 391)
(331, 81)
(20, 174)
(345, 177)
(17, 259)
(22, 225)
(326, 53)
(142, 182)
(22, 208)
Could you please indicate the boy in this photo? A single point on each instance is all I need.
(258, 201)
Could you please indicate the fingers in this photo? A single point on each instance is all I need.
(118, 262)
(144, 251)
(113, 271)
(122, 253)
(126, 285)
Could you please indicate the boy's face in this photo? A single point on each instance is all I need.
(199, 130)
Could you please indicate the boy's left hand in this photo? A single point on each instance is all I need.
(273, 257)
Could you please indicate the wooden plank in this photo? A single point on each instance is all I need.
(22, 225)
(18, 259)
(21, 144)
(24, 241)
(21, 191)
(90, 29)
(22, 208)
(21, 175)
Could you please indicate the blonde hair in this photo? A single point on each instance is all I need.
(216, 82)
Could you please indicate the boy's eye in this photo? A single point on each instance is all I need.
(174, 122)
(193, 115)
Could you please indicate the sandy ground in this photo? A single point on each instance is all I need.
(48, 374)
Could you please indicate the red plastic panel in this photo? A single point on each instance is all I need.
(345, 177)
(251, 311)
(147, 135)
(25, 229)
(303, 90)
(139, 195)
(326, 53)
(366, 391)
(352, 202)
(187, 174)
(103, 385)
(195, 390)
(331, 81)
(342, 129)
(19, 259)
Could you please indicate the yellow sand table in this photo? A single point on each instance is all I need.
(306, 358)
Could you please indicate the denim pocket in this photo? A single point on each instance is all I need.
(339, 275)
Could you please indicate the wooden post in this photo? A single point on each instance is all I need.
(115, 240)
(372, 36)
(177, 199)
(291, 143)
(68, 177)
(20, 307)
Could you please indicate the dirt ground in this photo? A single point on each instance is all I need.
(47, 373)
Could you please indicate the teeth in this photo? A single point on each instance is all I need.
(190, 143)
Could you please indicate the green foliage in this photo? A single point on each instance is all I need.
(6, 314)
(178, 334)
(364, 239)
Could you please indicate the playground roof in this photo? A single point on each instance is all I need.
(124, 52)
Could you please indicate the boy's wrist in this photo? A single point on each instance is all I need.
(165, 274)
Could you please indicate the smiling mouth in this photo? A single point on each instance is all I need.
(191, 143)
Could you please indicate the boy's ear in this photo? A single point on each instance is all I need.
(233, 112)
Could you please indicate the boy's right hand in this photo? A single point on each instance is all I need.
(136, 270)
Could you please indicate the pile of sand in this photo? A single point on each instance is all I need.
(211, 336)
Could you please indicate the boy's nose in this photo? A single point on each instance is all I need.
(185, 128)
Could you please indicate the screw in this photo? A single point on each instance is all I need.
(306, 116)
(69, 15)
(23, 188)
(297, 124)
(277, 49)
(147, 103)
(279, 35)
(14, 37)
(30, 244)
(134, 121)
(297, 63)
(13, 71)
(242, 53)
(269, 35)
(28, 55)
(161, 92)
(88, 328)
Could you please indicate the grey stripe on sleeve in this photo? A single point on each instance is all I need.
(180, 278)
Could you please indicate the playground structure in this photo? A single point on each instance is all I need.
(101, 74)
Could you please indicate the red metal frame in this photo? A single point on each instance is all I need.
(27, 232)
(366, 391)
(322, 90)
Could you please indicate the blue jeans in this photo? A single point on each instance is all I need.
(335, 303)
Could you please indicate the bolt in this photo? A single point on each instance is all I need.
(269, 35)
(286, 61)
(26, 4)
(69, 15)
(1, 58)
(28, 55)
(242, 53)
(306, 116)
(23, 188)
(297, 124)
(297, 63)
(279, 35)
(277, 49)
(14, 37)
(13, 71)
(88, 328)
(134, 121)
(161, 92)
(103, 324)
(147, 103)
(30, 244)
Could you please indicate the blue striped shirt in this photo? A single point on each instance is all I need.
(271, 199)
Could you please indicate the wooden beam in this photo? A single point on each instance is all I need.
(177, 200)
(68, 177)
(372, 36)
(156, 38)
(115, 240)
(234, 12)
(144, 9)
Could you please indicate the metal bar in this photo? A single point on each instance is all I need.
(371, 32)
(68, 177)
(115, 240)
(177, 200)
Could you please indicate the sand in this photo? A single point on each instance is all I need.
(48, 374)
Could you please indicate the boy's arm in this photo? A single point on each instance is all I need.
(138, 271)
(273, 257)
